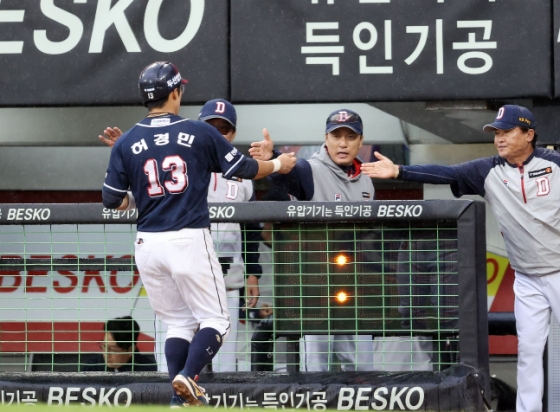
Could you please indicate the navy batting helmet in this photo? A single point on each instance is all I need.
(158, 80)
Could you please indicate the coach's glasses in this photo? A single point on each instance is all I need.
(111, 349)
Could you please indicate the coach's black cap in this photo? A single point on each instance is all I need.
(344, 118)
(158, 80)
(218, 109)
(511, 116)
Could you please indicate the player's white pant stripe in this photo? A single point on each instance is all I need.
(115, 189)
(213, 274)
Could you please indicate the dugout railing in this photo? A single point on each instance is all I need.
(339, 269)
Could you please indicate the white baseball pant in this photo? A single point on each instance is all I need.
(535, 298)
(184, 281)
(160, 334)
(402, 353)
(354, 352)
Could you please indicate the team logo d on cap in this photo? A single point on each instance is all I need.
(158, 80)
(344, 118)
(510, 116)
(218, 109)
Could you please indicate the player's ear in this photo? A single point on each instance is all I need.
(170, 97)
(361, 140)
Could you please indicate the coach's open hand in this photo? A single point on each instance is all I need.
(384, 168)
(111, 134)
(262, 150)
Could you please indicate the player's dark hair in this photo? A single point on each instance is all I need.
(157, 104)
(525, 130)
(125, 331)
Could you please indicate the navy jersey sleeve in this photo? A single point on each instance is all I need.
(298, 183)
(226, 158)
(116, 179)
(465, 178)
(551, 155)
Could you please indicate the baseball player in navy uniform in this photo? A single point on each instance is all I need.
(236, 246)
(166, 162)
(522, 185)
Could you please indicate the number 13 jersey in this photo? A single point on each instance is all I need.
(167, 163)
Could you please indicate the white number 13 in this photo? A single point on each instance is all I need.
(178, 168)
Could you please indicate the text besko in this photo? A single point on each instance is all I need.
(399, 211)
(28, 214)
(64, 396)
(398, 399)
(217, 212)
(106, 16)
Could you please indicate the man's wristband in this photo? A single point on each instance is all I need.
(277, 165)
(399, 173)
(131, 201)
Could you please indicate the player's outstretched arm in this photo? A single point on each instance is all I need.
(262, 150)
(110, 135)
(384, 168)
(288, 161)
(282, 164)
